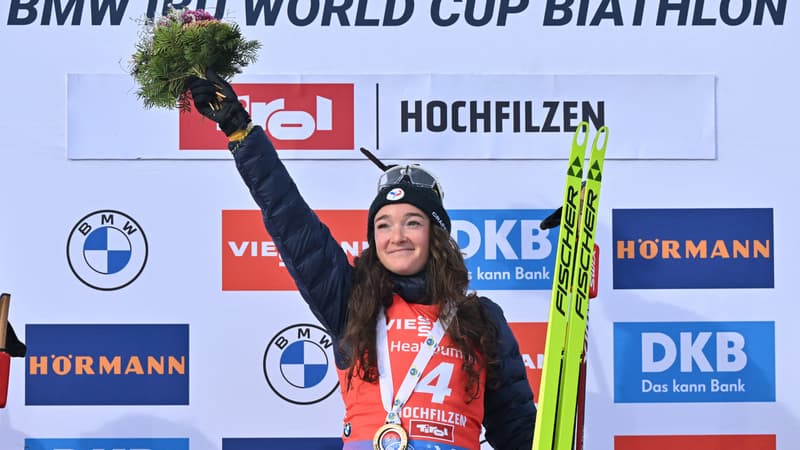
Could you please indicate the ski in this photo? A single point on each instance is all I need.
(569, 302)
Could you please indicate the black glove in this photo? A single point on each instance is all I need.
(215, 99)
(14, 347)
(551, 221)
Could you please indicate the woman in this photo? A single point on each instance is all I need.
(421, 362)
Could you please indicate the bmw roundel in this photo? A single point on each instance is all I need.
(107, 250)
(299, 364)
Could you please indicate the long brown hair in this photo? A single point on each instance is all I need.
(447, 281)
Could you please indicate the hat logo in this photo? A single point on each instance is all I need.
(395, 194)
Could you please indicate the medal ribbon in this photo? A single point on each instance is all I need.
(426, 351)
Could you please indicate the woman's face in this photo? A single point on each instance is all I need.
(402, 238)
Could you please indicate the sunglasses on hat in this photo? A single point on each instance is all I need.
(411, 174)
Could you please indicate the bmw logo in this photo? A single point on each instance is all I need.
(107, 250)
(299, 365)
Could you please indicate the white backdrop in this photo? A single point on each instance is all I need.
(179, 202)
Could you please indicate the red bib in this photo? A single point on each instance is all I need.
(437, 411)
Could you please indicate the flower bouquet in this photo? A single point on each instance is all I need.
(182, 44)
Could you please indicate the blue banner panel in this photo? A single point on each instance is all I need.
(693, 248)
(108, 444)
(683, 362)
(281, 443)
(504, 249)
(126, 364)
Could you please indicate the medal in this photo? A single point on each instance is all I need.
(393, 432)
(391, 435)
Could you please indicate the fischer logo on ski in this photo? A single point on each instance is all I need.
(569, 305)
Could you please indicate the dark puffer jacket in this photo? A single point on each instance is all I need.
(323, 276)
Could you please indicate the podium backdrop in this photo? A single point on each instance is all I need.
(156, 309)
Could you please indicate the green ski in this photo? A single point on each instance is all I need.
(566, 329)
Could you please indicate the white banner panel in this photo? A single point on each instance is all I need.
(413, 117)
(683, 77)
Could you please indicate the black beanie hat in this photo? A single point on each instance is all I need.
(423, 198)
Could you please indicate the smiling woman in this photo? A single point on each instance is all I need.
(402, 238)
(413, 347)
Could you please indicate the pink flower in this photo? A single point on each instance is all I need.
(198, 15)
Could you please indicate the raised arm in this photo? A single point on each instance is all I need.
(314, 259)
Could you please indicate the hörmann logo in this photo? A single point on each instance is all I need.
(668, 362)
(130, 364)
(693, 248)
(697, 442)
(294, 116)
(108, 444)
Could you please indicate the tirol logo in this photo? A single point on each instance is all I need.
(294, 116)
(299, 364)
(661, 362)
(427, 429)
(693, 248)
(505, 249)
(107, 250)
(281, 443)
(126, 364)
(531, 337)
(108, 444)
(250, 260)
(697, 442)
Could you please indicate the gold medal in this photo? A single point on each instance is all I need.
(386, 432)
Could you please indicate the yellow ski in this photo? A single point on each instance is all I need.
(566, 329)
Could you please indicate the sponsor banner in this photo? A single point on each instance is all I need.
(693, 248)
(682, 362)
(408, 117)
(107, 250)
(503, 249)
(299, 364)
(531, 338)
(295, 116)
(697, 442)
(108, 444)
(250, 260)
(282, 443)
(126, 364)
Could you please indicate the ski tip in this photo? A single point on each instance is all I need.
(602, 132)
(581, 136)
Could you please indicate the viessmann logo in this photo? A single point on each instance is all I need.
(250, 260)
(294, 116)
